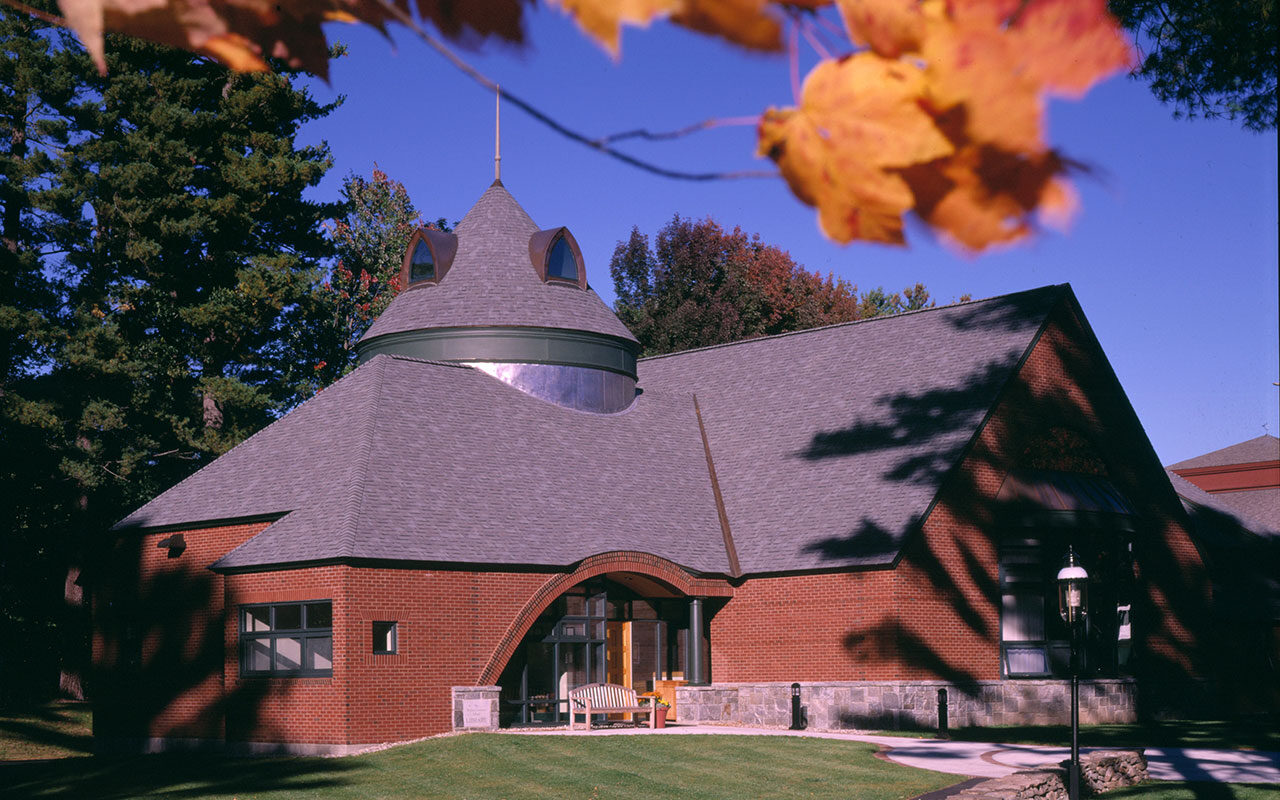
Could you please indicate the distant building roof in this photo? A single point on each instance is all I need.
(1263, 448)
(1225, 517)
(492, 282)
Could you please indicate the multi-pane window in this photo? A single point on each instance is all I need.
(287, 639)
(1024, 643)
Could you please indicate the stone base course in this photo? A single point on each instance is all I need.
(1100, 772)
(908, 705)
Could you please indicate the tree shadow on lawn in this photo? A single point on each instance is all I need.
(1195, 790)
(46, 731)
(171, 775)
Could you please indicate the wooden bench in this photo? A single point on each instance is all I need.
(609, 698)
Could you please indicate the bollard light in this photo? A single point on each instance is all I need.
(797, 715)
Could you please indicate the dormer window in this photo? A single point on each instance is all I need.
(557, 258)
(428, 256)
(561, 263)
(422, 265)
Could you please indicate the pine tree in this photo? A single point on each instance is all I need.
(165, 262)
(41, 88)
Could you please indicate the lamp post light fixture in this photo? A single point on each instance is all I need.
(1073, 605)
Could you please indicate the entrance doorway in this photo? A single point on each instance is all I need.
(598, 631)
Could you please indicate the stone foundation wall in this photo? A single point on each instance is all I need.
(907, 705)
(1100, 772)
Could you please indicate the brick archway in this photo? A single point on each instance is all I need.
(646, 564)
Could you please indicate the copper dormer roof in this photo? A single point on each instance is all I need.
(492, 283)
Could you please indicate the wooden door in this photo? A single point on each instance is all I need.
(617, 656)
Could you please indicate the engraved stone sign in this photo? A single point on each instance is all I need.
(475, 713)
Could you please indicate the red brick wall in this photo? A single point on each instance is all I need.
(158, 635)
(448, 622)
(1068, 379)
(285, 709)
(455, 627)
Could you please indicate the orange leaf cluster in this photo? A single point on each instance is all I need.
(244, 33)
(942, 114)
(743, 22)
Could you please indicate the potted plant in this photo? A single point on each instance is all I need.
(660, 707)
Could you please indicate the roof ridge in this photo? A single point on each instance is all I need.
(1229, 451)
(353, 508)
(868, 320)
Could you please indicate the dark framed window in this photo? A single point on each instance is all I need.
(386, 638)
(1034, 641)
(281, 639)
(422, 265)
(428, 256)
(556, 256)
(561, 262)
(1023, 611)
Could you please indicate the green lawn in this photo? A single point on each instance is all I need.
(500, 766)
(1257, 734)
(1164, 790)
(53, 731)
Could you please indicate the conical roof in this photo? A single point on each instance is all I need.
(492, 283)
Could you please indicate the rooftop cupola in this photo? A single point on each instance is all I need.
(512, 300)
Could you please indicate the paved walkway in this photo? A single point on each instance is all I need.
(978, 759)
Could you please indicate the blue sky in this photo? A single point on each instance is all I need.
(1173, 256)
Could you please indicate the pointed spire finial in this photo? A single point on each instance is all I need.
(497, 133)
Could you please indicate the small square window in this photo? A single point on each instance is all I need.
(385, 639)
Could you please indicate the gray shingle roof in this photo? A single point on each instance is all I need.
(423, 461)
(1264, 448)
(1192, 495)
(830, 444)
(493, 283)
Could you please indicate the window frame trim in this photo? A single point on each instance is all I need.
(304, 634)
(443, 246)
(540, 247)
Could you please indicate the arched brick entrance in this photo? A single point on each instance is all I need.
(559, 636)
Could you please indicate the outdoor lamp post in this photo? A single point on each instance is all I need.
(1073, 605)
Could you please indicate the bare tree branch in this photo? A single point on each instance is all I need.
(599, 145)
(706, 124)
(52, 19)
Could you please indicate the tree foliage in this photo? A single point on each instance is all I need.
(699, 285)
(163, 258)
(931, 107)
(1208, 59)
(369, 241)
